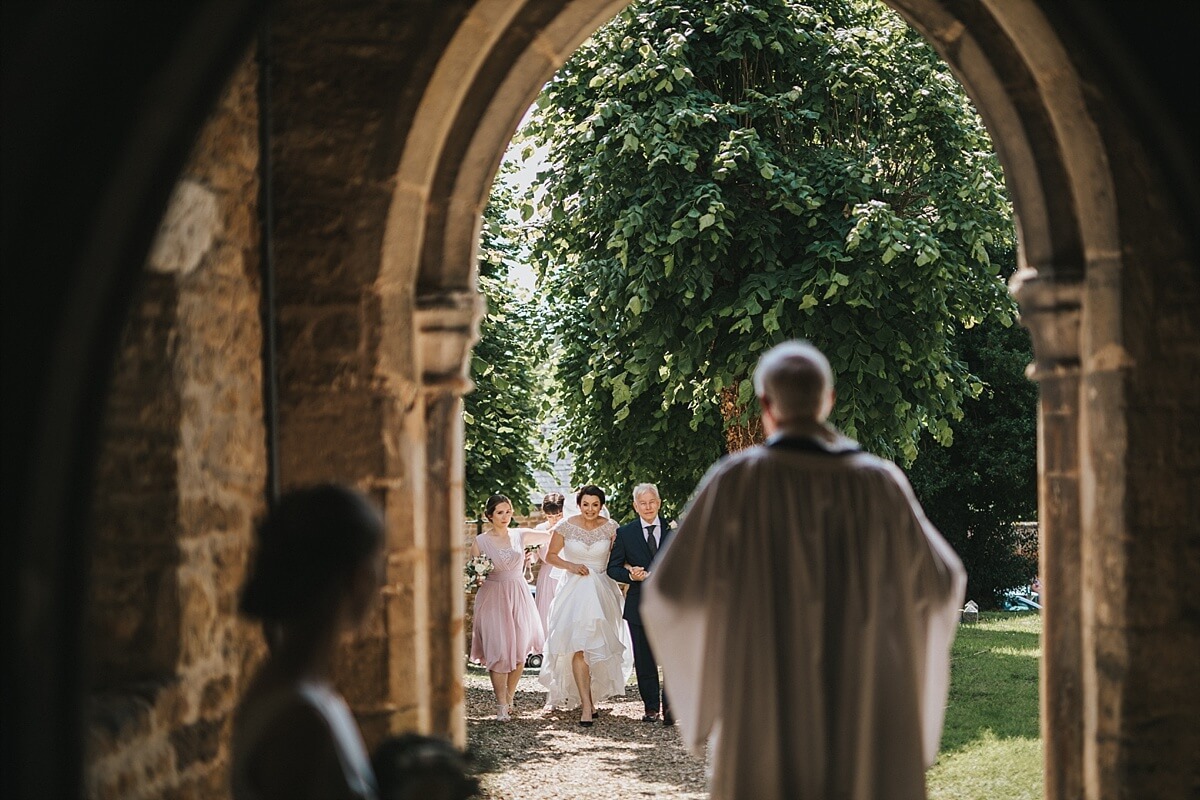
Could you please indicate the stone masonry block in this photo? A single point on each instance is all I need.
(361, 671)
(188, 230)
(198, 617)
(218, 697)
(197, 742)
(332, 436)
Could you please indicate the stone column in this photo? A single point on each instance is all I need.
(1051, 310)
(447, 326)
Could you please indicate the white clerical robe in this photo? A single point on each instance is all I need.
(803, 615)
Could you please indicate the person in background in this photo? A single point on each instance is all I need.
(547, 580)
(633, 556)
(506, 628)
(416, 767)
(317, 570)
(805, 608)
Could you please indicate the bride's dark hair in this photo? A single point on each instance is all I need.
(593, 490)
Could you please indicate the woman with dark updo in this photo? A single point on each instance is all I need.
(587, 657)
(317, 569)
(547, 577)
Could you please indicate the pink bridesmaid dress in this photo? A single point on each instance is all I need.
(547, 582)
(507, 627)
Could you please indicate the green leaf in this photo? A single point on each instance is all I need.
(745, 392)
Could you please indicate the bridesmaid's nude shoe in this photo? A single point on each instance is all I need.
(502, 714)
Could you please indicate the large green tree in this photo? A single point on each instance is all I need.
(974, 490)
(503, 416)
(725, 175)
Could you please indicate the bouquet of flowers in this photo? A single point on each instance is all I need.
(530, 560)
(476, 570)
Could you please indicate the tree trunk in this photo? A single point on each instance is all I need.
(738, 435)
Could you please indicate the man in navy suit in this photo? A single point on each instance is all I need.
(637, 544)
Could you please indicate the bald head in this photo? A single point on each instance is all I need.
(794, 384)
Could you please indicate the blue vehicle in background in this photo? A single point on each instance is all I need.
(1016, 601)
(1026, 598)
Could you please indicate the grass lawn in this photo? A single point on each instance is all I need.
(991, 745)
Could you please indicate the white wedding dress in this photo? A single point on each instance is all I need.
(585, 616)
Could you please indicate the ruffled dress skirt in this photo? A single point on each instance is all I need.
(586, 617)
(507, 627)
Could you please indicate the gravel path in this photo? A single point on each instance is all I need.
(548, 755)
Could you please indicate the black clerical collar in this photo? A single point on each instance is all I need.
(811, 444)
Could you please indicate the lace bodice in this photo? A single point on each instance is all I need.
(587, 547)
(504, 559)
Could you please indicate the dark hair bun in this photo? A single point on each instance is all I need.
(411, 766)
(553, 503)
(492, 502)
(309, 540)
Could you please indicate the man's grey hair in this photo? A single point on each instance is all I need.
(643, 488)
(797, 379)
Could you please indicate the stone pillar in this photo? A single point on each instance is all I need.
(1050, 308)
(1140, 469)
(447, 326)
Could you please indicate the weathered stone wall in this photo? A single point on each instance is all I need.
(351, 409)
(181, 478)
(1141, 532)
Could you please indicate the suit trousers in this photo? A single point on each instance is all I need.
(646, 669)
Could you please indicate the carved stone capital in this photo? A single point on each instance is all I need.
(447, 326)
(1052, 310)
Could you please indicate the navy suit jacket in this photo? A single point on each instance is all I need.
(630, 548)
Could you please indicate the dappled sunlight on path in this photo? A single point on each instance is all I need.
(542, 754)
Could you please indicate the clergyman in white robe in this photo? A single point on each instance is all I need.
(803, 617)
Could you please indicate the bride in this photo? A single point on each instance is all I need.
(586, 658)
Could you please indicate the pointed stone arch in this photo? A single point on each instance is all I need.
(1069, 154)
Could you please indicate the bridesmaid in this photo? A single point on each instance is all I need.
(548, 575)
(547, 580)
(507, 627)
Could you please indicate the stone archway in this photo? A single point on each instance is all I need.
(399, 121)
(1070, 157)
